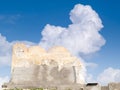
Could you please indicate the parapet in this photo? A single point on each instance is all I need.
(24, 56)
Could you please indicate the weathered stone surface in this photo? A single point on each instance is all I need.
(104, 88)
(55, 69)
(34, 67)
(114, 86)
(94, 87)
(24, 56)
(43, 75)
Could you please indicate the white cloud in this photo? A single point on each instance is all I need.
(109, 75)
(80, 37)
(3, 80)
(5, 51)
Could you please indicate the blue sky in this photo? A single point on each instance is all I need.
(25, 19)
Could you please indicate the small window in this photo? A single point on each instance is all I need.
(92, 84)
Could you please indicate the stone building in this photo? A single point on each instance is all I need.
(34, 67)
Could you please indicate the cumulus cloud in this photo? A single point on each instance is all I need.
(109, 75)
(80, 37)
(5, 51)
(2, 80)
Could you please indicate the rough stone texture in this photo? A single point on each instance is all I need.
(114, 86)
(95, 87)
(55, 69)
(104, 88)
(24, 56)
(33, 66)
(43, 75)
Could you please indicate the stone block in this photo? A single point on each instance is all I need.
(114, 86)
(93, 87)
